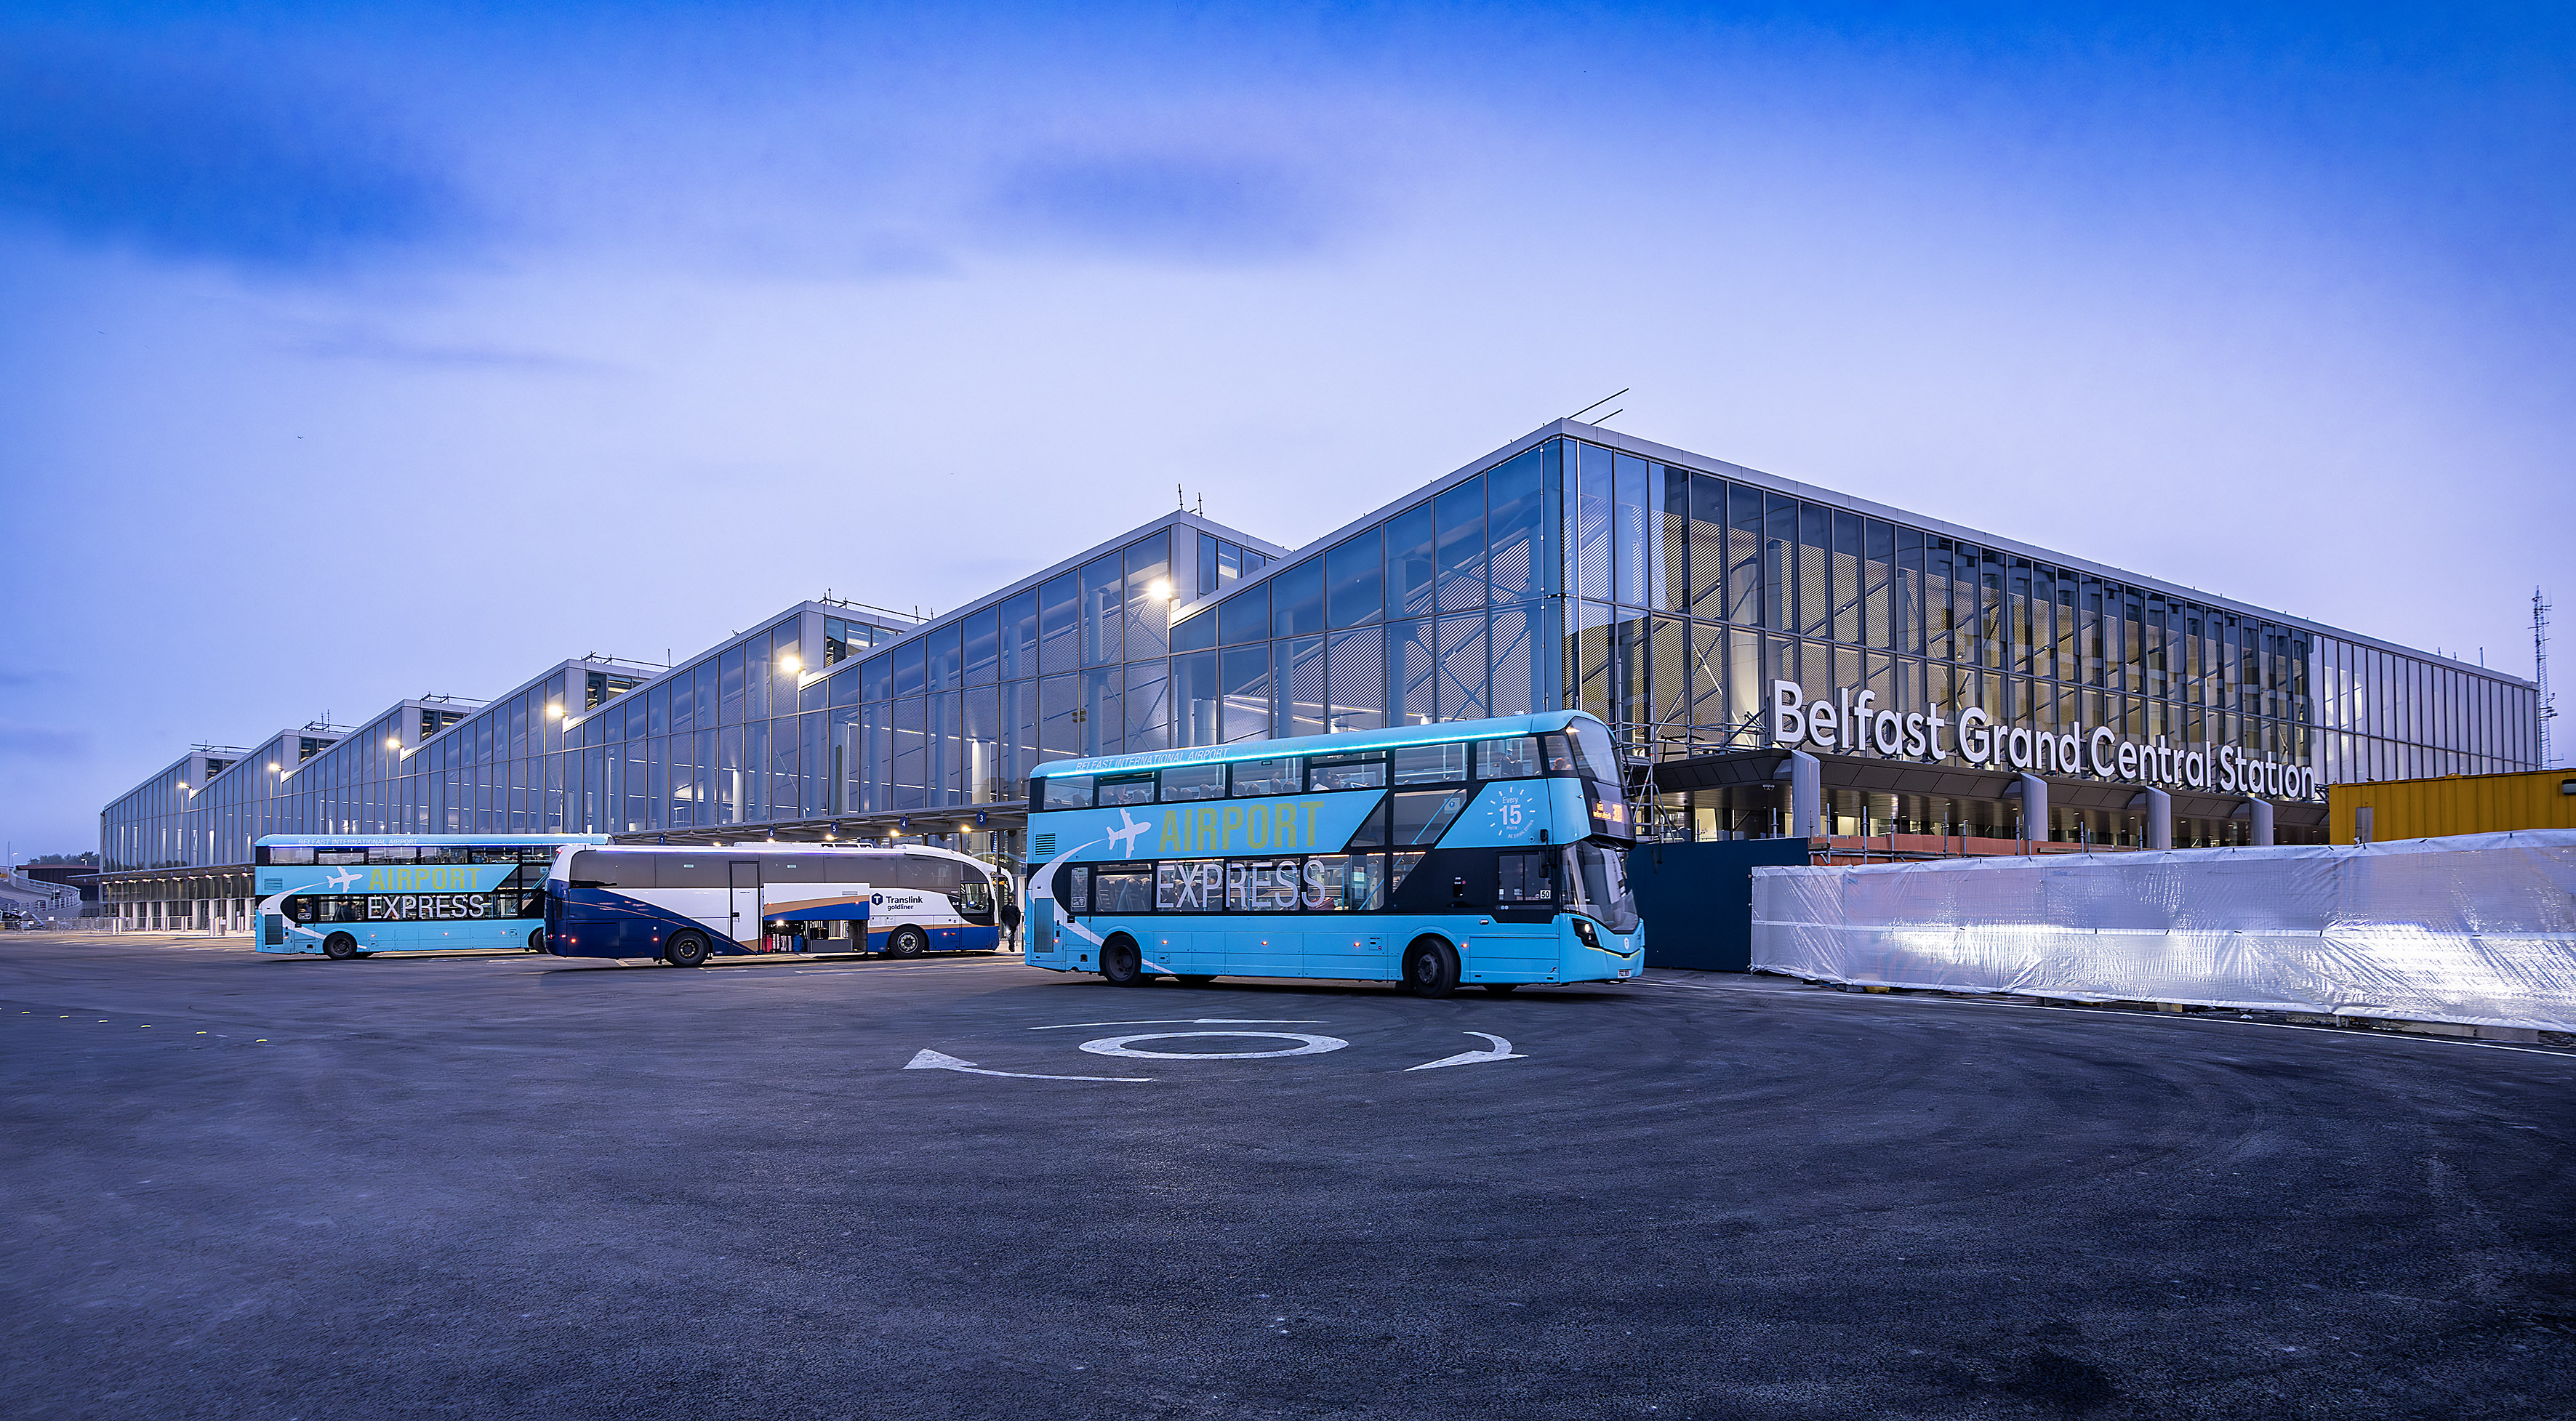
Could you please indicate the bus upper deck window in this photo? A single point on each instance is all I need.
(1430, 764)
(441, 853)
(1558, 752)
(339, 855)
(1187, 782)
(1068, 791)
(392, 853)
(286, 855)
(1277, 776)
(1130, 789)
(1513, 759)
(1347, 772)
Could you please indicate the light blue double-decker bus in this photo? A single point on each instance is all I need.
(1489, 852)
(354, 895)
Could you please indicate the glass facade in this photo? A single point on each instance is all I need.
(1657, 590)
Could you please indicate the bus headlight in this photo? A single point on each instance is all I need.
(1586, 934)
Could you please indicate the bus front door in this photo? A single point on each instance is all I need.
(745, 880)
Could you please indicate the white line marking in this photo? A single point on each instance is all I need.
(1502, 1052)
(1191, 1021)
(938, 1061)
(2340, 1033)
(873, 967)
(1307, 1046)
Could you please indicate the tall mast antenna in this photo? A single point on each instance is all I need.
(2540, 669)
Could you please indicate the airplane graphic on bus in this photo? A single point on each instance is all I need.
(1124, 833)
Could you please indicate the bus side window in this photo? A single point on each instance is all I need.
(1513, 759)
(1187, 782)
(1077, 897)
(1559, 754)
(676, 871)
(1327, 772)
(1528, 877)
(1279, 776)
(1430, 764)
(1127, 789)
(1068, 792)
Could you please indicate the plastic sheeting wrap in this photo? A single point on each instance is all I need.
(2479, 929)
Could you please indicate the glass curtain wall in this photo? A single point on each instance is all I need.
(2383, 716)
(1659, 597)
(1442, 610)
(1694, 590)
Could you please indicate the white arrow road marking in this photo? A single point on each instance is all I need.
(1191, 1021)
(1307, 1045)
(1502, 1052)
(940, 1061)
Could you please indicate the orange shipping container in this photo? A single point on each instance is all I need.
(2454, 804)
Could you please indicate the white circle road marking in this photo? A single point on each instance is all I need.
(1117, 1045)
(1188, 1021)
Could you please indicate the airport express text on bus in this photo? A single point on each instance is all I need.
(1487, 851)
(355, 895)
(685, 905)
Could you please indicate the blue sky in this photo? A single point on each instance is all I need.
(357, 352)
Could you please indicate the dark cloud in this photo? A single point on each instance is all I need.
(1163, 207)
(182, 161)
(36, 742)
(389, 350)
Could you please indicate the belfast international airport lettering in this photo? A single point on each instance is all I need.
(1850, 724)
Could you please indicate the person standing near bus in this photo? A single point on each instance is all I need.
(1010, 910)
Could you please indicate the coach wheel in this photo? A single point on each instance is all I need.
(1498, 988)
(1196, 979)
(1121, 963)
(905, 942)
(1430, 968)
(536, 939)
(340, 947)
(686, 950)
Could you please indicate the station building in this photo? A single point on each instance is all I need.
(1777, 659)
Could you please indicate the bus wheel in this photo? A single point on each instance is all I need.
(1498, 988)
(1430, 968)
(685, 949)
(905, 942)
(1189, 979)
(339, 947)
(536, 939)
(1122, 964)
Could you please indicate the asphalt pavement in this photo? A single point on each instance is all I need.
(283, 1187)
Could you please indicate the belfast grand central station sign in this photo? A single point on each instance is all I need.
(1850, 724)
